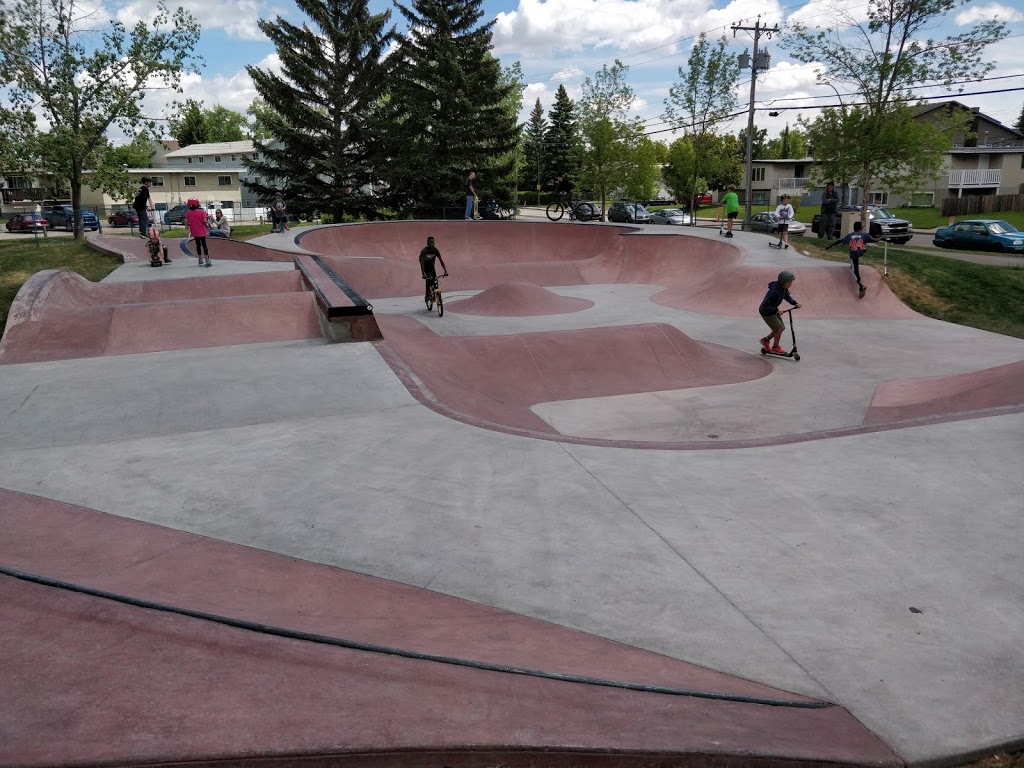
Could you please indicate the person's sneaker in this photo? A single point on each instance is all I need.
(208, 264)
(728, 234)
(862, 291)
(787, 245)
(779, 350)
(166, 260)
(766, 345)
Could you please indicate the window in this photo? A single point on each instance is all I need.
(255, 155)
(757, 174)
(190, 161)
(232, 158)
(216, 158)
(227, 203)
(158, 181)
(878, 198)
(201, 158)
(190, 181)
(922, 199)
(223, 181)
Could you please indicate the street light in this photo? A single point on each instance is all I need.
(842, 165)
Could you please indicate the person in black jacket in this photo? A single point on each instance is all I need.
(829, 206)
(778, 290)
(143, 204)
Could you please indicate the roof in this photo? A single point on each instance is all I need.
(217, 148)
(923, 109)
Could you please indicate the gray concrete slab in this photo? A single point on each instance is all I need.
(795, 566)
(185, 266)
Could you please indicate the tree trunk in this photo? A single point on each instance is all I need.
(76, 197)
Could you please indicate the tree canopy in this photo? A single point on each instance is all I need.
(882, 59)
(84, 82)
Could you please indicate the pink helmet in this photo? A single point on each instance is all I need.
(192, 201)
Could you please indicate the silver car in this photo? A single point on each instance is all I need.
(670, 216)
(630, 213)
(769, 222)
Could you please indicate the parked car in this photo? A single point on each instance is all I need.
(661, 201)
(981, 235)
(123, 218)
(882, 224)
(27, 222)
(176, 215)
(670, 216)
(632, 213)
(64, 216)
(769, 222)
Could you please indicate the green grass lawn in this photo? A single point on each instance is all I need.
(976, 295)
(20, 259)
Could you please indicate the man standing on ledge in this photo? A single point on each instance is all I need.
(143, 204)
(471, 197)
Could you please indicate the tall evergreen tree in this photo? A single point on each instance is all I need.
(320, 110)
(562, 136)
(536, 155)
(1019, 125)
(191, 127)
(446, 111)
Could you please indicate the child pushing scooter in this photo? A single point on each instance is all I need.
(778, 291)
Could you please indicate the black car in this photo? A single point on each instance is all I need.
(882, 224)
(64, 216)
(632, 213)
(176, 215)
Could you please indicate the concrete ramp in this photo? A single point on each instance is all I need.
(496, 379)
(995, 387)
(518, 299)
(59, 315)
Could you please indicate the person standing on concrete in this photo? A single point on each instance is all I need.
(427, 269)
(143, 204)
(278, 210)
(471, 197)
(785, 214)
(731, 201)
(778, 290)
(829, 208)
(196, 220)
(858, 242)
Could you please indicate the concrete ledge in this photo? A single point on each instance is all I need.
(344, 315)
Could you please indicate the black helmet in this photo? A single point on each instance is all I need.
(786, 277)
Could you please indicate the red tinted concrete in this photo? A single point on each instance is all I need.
(699, 274)
(90, 682)
(237, 250)
(936, 395)
(518, 300)
(497, 378)
(59, 315)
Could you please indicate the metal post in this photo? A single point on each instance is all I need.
(750, 131)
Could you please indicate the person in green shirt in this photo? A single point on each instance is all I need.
(731, 201)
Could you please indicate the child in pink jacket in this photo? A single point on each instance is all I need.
(196, 220)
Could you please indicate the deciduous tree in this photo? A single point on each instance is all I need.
(882, 59)
(83, 82)
(703, 98)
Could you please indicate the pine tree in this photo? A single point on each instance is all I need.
(447, 108)
(321, 109)
(192, 127)
(561, 136)
(536, 154)
(1020, 121)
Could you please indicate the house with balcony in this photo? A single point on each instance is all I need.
(771, 179)
(988, 160)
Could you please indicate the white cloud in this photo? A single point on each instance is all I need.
(977, 13)
(236, 17)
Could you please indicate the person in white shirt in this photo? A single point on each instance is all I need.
(219, 225)
(785, 214)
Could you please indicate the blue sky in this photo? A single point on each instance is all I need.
(564, 41)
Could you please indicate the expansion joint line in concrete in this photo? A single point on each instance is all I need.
(699, 572)
(310, 637)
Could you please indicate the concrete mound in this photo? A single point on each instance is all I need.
(59, 315)
(518, 299)
(496, 379)
(943, 395)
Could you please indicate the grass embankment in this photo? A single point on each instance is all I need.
(961, 292)
(976, 295)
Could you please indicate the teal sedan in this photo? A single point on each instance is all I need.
(981, 235)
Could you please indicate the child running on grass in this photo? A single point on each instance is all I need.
(769, 310)
(858, 242)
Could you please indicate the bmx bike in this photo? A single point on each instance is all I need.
(434, 297)
(582, 211)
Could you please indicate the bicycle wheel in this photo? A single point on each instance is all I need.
(429, 299)
(555, 211)
(440, 305)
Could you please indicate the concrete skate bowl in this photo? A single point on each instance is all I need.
(698, 273)
(991, 388)
(493, 381)
(518, 299)
(59, 315)
(234, 250)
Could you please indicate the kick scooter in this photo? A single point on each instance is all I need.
(778, 244)
(792, 352)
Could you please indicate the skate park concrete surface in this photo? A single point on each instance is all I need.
(591, 472)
